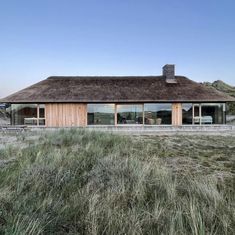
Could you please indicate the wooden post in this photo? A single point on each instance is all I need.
(115, 114)
(176, 114)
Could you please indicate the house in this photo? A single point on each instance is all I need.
(118, 101)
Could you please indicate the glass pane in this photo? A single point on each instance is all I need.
(5, 114)
(187, 114)
(129, 114)
(41, 121)
(24, 114)
(100, 114)
(157, 114)
(212, 114)
(196, 118)
(30, 121)
(41, 111)
(230, 113)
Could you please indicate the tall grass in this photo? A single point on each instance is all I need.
(84, 182)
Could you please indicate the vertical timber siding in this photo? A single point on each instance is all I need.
(176, 114)
(66, 115)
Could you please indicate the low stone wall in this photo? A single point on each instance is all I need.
(136, 129)
(210, 129)
(166, 128)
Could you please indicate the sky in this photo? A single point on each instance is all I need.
(42, 38)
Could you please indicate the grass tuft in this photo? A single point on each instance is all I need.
(86, 182)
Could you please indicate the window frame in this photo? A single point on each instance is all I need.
(199, 117)
(101, 124)
(133, 124)
(160, 103)
(37, 118)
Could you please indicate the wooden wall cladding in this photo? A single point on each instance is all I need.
(176, 114)
(65, 115)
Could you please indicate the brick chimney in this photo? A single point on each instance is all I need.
(168, 71)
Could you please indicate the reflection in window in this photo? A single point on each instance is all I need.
(204, 113)
(187, 113)
(41, 110)
(157, 114)
(100, 114)
(130, 114)
(230, 111)
(41, 114)
(212, 114)
(4, 114)
(28, 114)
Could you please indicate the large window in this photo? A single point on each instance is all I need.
(187, 113)
(130, 114)
(28, 114)
(157, 114)
(212, 114)
(203, 113)
(154, 114)
(100, 114)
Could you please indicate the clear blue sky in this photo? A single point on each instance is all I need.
(40, 38)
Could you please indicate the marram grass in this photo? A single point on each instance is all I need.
(84, 182)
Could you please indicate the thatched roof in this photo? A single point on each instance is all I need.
(117, 89)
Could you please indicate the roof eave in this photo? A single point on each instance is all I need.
(119, 101)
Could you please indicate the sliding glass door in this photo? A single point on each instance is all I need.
(208, 113)
(213, 113)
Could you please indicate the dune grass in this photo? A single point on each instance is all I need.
(84, 182)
